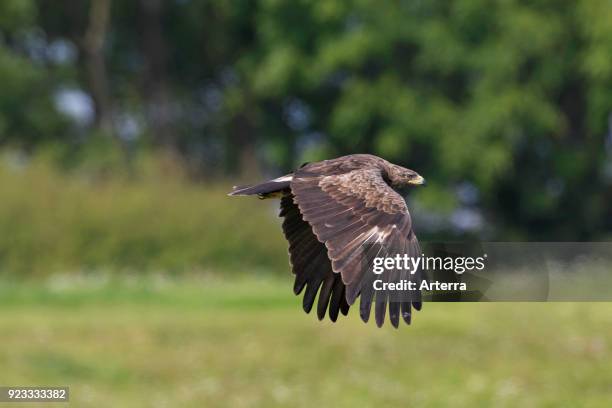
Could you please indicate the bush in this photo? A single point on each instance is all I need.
(152, 220)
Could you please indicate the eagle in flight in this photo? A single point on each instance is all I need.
(339, 215)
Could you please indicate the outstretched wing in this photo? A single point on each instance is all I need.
(359, 217)
(310, 264)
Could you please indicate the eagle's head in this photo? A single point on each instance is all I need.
(400, 177)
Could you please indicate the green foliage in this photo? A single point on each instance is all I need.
(149, 220)
(512, 98)
(15, 13)
(27, 114)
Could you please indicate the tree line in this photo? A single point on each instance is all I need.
(505, 106)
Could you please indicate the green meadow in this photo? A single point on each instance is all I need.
(245, 342)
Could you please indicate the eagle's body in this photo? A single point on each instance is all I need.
(339, 215)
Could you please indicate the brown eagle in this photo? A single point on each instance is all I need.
(339, 215)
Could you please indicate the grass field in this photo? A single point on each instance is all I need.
(246, 343)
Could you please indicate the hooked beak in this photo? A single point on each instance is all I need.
(419, 181)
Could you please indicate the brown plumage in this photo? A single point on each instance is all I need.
(339, 215)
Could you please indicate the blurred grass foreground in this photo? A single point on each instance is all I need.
(246, 343)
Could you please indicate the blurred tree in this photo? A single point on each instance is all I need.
(27, 112)
(505, 106)
(498, 95)
(92, 45)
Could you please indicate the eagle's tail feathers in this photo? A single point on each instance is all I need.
(266, 189)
